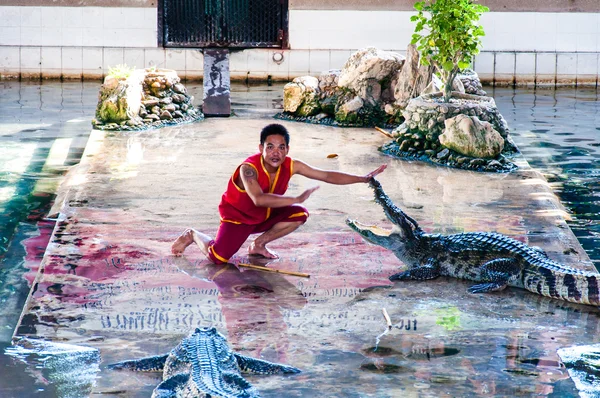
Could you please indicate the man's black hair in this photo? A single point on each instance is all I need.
(274, 129)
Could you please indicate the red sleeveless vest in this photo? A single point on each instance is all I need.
(237, 207)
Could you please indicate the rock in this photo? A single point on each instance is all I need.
(471, 82)
(152, 117)
(166, 115)
(443, 154)
(353, 105)
(366, 70)
(178, 98)
(169, 108)
(329, 103)
(179, 88)
(120, 99)
(328, 80)
(301, 96)
(150, 103)
(347, 112)
(412, 78)
(469, 136)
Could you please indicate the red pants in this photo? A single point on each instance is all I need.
(230, 237)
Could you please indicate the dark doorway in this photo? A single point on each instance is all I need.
(223, 23)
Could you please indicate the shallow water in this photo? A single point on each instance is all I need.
(34, 119)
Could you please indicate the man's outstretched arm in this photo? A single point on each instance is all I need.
(334, 177)
(263, 199)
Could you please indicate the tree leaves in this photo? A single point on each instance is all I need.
(451, 35)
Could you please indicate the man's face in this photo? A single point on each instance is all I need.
(274, 151)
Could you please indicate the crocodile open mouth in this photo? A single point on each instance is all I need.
(373, 228)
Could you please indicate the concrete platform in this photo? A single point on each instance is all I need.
(108, 280)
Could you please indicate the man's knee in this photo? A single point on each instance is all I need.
(298, 223)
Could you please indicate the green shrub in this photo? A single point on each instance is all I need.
(120, 71)
(448, 36)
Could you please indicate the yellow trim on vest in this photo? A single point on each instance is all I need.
(230, 221)
(298, 214)
(291, 167)
(212, 250)
(271, 186)
(271, 190)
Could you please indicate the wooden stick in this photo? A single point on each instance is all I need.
(387, 318)
(382, 131)
(279, 271)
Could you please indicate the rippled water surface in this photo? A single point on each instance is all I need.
(44, 129)
(558, 132)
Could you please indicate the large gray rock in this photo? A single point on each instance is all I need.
(469, 136)
(301, 96)
(412, 79)
(367, 71)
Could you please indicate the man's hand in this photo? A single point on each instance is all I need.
(375, 172)
(306, 194)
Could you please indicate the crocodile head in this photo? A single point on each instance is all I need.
(210, 337)
(206, 350)
(405, 231)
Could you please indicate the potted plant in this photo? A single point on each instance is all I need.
(448, 36)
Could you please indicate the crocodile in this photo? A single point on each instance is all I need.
(493, 259)
(203, 365)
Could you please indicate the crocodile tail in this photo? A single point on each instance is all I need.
(575, 286)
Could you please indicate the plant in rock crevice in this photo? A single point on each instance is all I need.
(448, 35)
(121, 71)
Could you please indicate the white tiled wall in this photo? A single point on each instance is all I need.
(505, 31)
(78, 26)
(521, 48)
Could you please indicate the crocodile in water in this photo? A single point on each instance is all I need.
(494, 260)
(203, 365)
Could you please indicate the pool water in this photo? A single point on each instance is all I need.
(558, 132)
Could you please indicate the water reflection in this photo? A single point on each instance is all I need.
(253, 302)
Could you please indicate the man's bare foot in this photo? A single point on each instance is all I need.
(184, 240)
(263, 251)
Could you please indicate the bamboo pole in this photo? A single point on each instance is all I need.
(382, 131)
(388, 321)
(278, 271)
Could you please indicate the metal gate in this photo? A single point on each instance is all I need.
(223, 23)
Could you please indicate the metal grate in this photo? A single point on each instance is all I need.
(224, 23)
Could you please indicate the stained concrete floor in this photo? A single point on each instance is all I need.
(108, 280)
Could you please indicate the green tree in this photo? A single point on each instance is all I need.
(448, 36)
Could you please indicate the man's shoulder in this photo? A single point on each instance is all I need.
(253, 158)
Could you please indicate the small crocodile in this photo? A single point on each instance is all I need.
(203, 365)
(493, 259)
